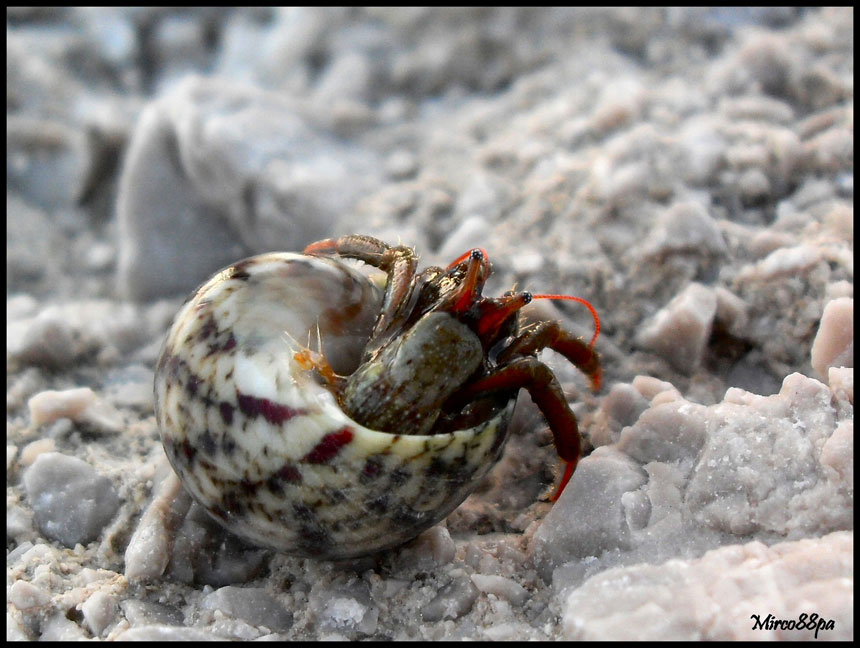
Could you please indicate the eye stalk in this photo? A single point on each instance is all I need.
(469, 289)
(473, 253)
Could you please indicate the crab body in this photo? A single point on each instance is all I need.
(373, 437)
(416, 374)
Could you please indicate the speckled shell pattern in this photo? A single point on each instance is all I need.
(265, 448)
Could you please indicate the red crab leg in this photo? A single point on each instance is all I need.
(535, 377)
(545, 334)
(550, 334)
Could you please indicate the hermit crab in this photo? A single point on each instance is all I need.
(382, 429)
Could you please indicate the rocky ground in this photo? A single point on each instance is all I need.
(689, 171)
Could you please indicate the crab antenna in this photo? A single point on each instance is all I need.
(587, 305)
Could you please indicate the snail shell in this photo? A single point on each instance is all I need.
(265, 448)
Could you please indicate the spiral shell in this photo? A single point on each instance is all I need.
(265, 448)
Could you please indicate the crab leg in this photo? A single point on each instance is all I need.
(400, 263)
(550, 334)
(536, 378)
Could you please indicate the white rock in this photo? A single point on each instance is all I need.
(431, 549)
(71, 500)
(715, 597)
(24, 595)
(686, 478)
(841, 381)
(50, 405)
(150, 546)
(453, 600)
(81, 405)
(99, 611)
(834, 343)
(217, 169)
(502, 587)
(253, 605)
(838, 452)
(35, 448)
(679, 332)
(45, 340)
(685, 227)
(781, 262)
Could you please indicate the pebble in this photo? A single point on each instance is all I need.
(99, 610)
(344, 607)
(623, 404)
(754, 186)
(571, 531)
(781, 262)
(834, 343)
(146, 613)
(401, 164)
(247, 173)
(46, 340)
(24, 595)
(71, 500)
(251, 604)
(838, 451)
(502, 587)
(430, 550)
(703, 148)
(81, 405)
(36, 448)
(453, 601)
(732, 312)
(841, 381)
(41, 149)
(685, 227)
(150, 547)
(652, 388)
(679, 332)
